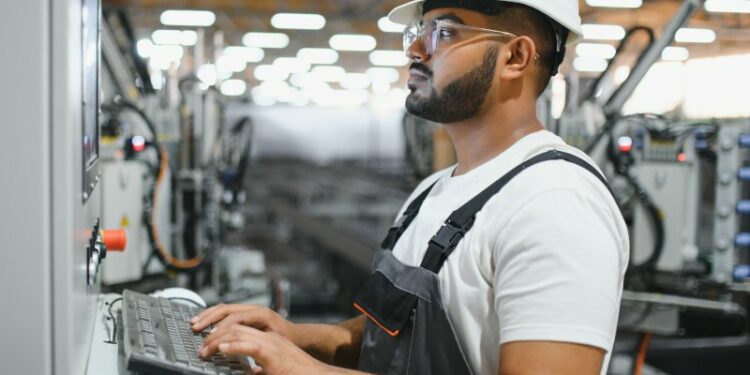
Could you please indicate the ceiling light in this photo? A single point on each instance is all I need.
(352, 42)
(270, 73)
(603, 32)
(584, 64)
(163, 56)
(356, 81)
(688, 35)
(322, 56)
(248, 54)
(230, 63)
(675, 54)
(175, 37)
(144, 47)
(595, 50)
(200, 18)
(388, 58)
(208, 74)
(380, 87)
(262, 98)
(621, 74)
(387, 26)
(615, 3)
(328, 73)
(728, 6)
(233, 87)
(388, 75)
(291, 64)
(298, 21)
(266, 40)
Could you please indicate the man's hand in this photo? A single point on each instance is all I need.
(547, 357)
(274, 354)
(258, 317)
(333, 344)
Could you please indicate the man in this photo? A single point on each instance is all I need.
(509, 263)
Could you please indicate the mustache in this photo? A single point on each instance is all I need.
(421, 68)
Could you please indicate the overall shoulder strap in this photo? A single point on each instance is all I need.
(461, 220)
(398, 228)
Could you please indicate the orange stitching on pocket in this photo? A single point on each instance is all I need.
(389, 332)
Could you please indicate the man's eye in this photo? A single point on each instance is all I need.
(446, 33)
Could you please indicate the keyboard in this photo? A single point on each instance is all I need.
(158, 339)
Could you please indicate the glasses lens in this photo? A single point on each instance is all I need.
(411, 33)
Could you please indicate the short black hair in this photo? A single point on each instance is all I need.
(526, 21)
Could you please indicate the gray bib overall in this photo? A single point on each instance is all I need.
(408, 330)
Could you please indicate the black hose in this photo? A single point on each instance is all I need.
(622, 168)
(591, 92)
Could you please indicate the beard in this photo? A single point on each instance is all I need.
(461, 99)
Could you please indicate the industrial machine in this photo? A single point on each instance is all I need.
(682, 188)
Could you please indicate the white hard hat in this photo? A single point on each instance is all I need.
(565, 12)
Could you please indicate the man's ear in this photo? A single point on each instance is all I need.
(519, 56)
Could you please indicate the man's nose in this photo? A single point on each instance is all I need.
(416, 51)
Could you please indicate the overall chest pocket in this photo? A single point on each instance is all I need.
(385, 305)
(389, 333)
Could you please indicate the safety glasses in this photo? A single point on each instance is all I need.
(443, 33)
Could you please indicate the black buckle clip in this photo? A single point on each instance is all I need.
(450, 234)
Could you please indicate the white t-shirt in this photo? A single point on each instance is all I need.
(545, 259)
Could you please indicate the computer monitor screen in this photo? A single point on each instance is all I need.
(90, 62)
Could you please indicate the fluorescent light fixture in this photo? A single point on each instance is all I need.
(200, 18)
(298, 21)
(175, 37)
(300, 79)
(603, 32)
(385, 25)
(208, 74)
(615, 3)
(621, 74)
(233, 87)
(230, 63)
(163, 56)
(321, 56)
(144, 47)
(388, 75)
(261, 98)
(291, 64)
(270, 73)
(328, 73)
(352, 42)
(583, 64)
(727, 6)
(595, 50)
(380, 87)
(275, 88)
(675, 54)
(341, 98)
(688, 35)
(157, 79)
(248, 54)
(355, 81)
(388, 58)
(266, 40)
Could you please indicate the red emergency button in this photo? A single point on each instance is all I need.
(114, 240)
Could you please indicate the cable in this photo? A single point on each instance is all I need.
(591, 93)
(592, 89)
(622, 168)
(113, 339)
(640, 358)
(152, 228)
